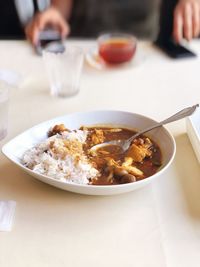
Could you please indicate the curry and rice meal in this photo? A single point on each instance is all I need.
(67, 156)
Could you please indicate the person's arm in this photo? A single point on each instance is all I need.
(55, 16)
(186, 22)
(64, 7)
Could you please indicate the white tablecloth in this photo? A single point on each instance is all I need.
(157, 226)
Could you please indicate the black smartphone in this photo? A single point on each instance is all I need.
(50, 39)
(174, 50)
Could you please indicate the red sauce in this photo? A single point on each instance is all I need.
(116, 50)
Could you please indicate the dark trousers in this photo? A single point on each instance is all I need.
(166, 20)
(10, 27)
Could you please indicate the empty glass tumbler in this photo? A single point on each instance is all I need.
(64, 70)
(4, 101)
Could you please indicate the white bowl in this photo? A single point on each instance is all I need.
(15, 148)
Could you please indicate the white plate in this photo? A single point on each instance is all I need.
(193, 130)
(17, 146)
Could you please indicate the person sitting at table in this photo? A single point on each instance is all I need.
(87, 18)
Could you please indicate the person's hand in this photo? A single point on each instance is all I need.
(49, 18)
(186, 20)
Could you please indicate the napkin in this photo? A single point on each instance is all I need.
(7, 211)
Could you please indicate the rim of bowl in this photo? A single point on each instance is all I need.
(115, 35)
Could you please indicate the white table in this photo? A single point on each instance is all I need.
(157, 226)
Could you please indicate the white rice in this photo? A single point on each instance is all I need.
(47, 158)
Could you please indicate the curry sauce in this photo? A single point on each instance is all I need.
(140, 161)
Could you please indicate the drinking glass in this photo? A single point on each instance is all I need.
(4, 99)
(63, 70)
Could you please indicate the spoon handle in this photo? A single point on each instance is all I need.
(179, 115)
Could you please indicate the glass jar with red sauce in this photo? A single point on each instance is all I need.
(116, 48)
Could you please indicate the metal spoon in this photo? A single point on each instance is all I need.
(124, 144)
